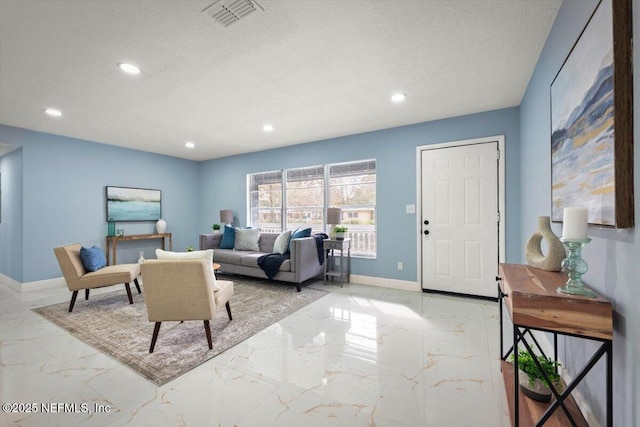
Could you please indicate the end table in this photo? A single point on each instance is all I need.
(330, 271)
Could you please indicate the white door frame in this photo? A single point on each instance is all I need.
(501, 193)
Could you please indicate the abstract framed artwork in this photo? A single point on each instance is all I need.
(592, 122)
(133, 204)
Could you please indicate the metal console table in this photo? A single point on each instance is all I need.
(534, 304)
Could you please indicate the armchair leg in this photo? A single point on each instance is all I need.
(128, 288)
(228, 310)
(156, 329)
(207, 330)
(86, 294)
(298, 287)
(73, 300)
(137, 285)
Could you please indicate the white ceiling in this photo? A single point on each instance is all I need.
(314, 69)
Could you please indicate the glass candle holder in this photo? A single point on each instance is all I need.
(575, 267)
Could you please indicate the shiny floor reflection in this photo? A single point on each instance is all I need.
(360, 356)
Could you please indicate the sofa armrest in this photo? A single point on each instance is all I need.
(210, 241)
(304, 258)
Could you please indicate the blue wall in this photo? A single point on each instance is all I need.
(224, 180)
(613, 255)
(11, 226)
(64, 180)
(63, 199)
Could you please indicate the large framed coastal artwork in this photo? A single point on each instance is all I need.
(592, 123)
(133, 204)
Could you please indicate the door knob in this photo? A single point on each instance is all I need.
(426, 231)
(426, 222)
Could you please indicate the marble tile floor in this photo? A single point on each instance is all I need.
(360, 356)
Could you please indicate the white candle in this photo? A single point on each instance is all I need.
(575, 223)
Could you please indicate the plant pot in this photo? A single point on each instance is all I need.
(540, 391)
(340, 235)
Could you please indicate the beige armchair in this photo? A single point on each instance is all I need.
(182, 289)
(78, 278)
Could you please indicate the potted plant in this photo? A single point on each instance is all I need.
(216, 228)
(532, 382)
(340, 231)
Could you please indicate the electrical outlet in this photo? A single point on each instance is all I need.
(400, 265)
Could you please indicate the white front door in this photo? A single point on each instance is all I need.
(460, 219)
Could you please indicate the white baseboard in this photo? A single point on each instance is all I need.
(582, 403)
(404, 285)
(13, 284)
(57, 282)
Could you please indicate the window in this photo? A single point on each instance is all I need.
(305, 198)
(352, 187)
(291, 198)
(265, 201)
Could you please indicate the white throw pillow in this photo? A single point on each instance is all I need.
(247, 239)
(206, 254)
(281, 245)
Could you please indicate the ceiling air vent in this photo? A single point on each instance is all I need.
(226, 12)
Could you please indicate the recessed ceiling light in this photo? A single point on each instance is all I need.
(53, 112)
(267, 128)
(129, 68)
(189, 144)
(398, 97)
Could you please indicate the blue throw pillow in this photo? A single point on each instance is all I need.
(228, 238)
(92, 258)
(298, 234)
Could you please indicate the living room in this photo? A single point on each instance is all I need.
(52, 190)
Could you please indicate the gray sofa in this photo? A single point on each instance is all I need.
(302, 265)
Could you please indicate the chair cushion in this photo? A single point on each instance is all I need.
(225, 293)
(206, 254)
(109, 275)
(93, 258)
(246, 239)
(228, 238)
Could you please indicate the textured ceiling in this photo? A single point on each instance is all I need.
(313, 69)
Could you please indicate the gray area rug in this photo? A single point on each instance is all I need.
(110, 324)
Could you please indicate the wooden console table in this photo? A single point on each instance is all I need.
(534, 304)
(112, 243)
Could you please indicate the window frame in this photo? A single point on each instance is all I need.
(326, 185)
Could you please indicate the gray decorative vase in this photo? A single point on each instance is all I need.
(552, 261)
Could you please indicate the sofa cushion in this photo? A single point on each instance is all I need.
(93, 258)
(266, 242)
(228, 256)
(281, 245)
(206, 254)
(246, 239)
(228, 238)
(251, 260)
